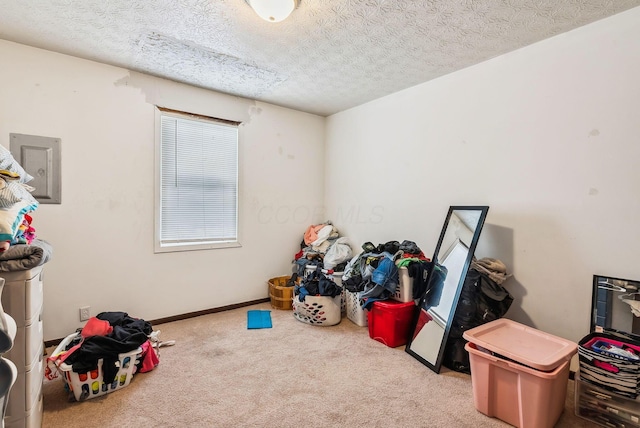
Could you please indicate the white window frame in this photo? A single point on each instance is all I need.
(163, 247)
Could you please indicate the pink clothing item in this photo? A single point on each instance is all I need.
(312, 233)
(96, 327)
(149, 357)
(93, 327)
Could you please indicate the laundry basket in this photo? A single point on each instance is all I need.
(355, 312)
(318, 310)
(404, 289)
(90, 385)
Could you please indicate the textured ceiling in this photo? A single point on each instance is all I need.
(329, 55)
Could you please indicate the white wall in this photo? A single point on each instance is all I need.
(102, 233)
(547, 136)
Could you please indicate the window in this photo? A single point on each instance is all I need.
(197, 182)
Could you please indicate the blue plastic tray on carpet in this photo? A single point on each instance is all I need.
(258, 319)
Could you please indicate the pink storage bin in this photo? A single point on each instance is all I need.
(523, 344)
(519, 374)
(519, 395)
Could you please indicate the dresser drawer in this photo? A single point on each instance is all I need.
(27, 345)
(22, 296)
(605, 408)
(30, 419)
(27, 389)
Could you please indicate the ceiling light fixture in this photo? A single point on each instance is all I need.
(273, 10)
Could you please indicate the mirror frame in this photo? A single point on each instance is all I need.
(474, 241)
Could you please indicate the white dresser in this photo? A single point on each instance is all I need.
(22, 298)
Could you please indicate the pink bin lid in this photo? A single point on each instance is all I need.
(523, 344)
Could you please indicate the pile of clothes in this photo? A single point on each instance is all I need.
(16, 203)
(322, 246)
(373, 274)
(105, 337)
(323, 249)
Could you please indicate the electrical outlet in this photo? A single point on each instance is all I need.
(84, 313)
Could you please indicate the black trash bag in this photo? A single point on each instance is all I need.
(481, 300)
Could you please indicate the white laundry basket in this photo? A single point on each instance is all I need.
(90, 385)
(318, 310)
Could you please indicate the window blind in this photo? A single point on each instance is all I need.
(199, 181)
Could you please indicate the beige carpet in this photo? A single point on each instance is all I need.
(219, 374)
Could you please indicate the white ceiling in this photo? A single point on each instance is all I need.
(329, 55)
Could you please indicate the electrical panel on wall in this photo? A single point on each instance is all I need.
(40, 157)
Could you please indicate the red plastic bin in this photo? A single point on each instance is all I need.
(389, 322)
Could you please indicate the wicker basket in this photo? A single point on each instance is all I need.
(281, 296)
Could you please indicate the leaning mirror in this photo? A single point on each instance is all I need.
(450, 263)
(615, 305)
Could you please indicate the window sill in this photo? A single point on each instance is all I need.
(173, 248)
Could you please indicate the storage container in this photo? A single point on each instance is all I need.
(517, 394)
(280, 294)
(22, 299)
(526, 345)
(23, 295)
(90, 385)
(27, 389)
(615, 372)
(318, 310)
(389, 322)
(603, 407)
(355, 312)
(519, 374)
(33, 418)
(404, 289)
(607, 382)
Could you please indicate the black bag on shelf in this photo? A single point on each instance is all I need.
(481, 300)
